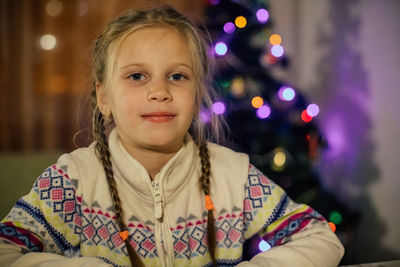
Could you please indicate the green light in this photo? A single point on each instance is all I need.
(335, 217)
(225, 83)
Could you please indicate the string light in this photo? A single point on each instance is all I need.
(332, 226)
(218, 108)
(237, 86)
(257, 102)
(54, 8)
(335, 217)
(275, 39)
(240, 22)
(312, 110)
(286, 93)
(205, 115)
(221, 48)
(229, 28)
(262, 15)
(277, 50)
(48, 42)
(305, 117)
(263, 112)
(279, 158)
(264, 246)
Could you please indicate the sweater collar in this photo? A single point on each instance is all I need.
(173, 175)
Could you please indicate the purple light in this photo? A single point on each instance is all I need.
(263, 112)
(313, 110)
(277, 50)
(218, 108)
(286, 93)
(221, 48)
(262, 15)
(214, 2)
(264, 246)
(205, 115)
(229, 27)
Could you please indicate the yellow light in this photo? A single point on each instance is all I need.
(257, 102)
(240, 22)
(48, 41)
(279, 158)
(275, 39)
(237, 86)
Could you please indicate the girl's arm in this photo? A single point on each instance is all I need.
(43, 228)
(297, 234)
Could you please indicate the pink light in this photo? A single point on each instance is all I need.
(277, 50)
(218, 108)
(312, 110)
(229, 27)
(262, 15)
(205, 115)
(286, 93)
(263, 112)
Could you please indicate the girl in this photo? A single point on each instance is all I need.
(154, 192)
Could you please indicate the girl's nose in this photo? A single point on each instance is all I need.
(159, 92)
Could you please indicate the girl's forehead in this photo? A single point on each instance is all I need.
(151, 43)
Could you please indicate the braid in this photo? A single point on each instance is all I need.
(205, 185)
(103, 153)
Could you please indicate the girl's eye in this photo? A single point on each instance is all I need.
(137, 76)
(177, 77)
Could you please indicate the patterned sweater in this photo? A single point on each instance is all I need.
(68, 218)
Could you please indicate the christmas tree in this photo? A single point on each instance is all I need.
(268, 119)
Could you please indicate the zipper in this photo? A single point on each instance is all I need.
(163, 238)
(157, 199)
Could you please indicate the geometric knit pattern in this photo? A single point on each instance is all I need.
(53, 218)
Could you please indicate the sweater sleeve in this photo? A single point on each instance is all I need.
(43, 228)
(292, 234)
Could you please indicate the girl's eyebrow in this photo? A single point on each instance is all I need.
(142, 64)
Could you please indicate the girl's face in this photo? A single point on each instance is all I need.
(153, 91)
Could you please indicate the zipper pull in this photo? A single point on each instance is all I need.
(157, 200)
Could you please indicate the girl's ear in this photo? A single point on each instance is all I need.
(102, 100)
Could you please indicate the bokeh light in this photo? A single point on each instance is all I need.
(335, 217)
(275, 39)
(263, 112)
(54, 8)
(237, 86)
(277, 50)
(240, 22)
(332, 226)
(305, 117)
(262, 15)
(221, 48)
(205, 115)
(218, 108)
(48, 42)
(279, 158)
(229, 27)
(214, 2)
(312, 110)
(264, 246)
(286, 93)
(257, 102)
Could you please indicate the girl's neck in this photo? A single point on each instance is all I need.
(151, 160)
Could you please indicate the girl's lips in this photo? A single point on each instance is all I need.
(158, 116)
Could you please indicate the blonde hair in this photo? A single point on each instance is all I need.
(105, 54)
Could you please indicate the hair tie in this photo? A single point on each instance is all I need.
(124, 234)
(209, 203)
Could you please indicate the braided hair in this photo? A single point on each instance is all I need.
(105, 49)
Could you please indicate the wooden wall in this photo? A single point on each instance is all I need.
(44, 93)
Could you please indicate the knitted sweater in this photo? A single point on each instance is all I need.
(68, 218)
